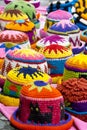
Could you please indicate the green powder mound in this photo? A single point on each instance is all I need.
(25, 7)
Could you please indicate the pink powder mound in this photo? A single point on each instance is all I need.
(1, 9)
(59, 15)
(31, 55)
(2, 53)
(13, 36)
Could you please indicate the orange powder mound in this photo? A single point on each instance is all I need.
(52, 93)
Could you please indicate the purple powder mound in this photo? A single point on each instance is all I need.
(2, 81)
(64, 26)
